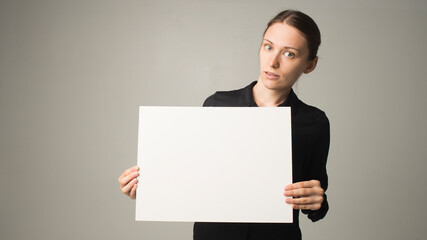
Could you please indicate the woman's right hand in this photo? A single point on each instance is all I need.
(128, 181)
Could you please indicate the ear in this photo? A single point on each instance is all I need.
(311, 65)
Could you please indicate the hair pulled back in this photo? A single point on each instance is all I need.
(304, 24)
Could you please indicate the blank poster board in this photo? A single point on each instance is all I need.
(214, 164)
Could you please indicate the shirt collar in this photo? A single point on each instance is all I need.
(247, 98)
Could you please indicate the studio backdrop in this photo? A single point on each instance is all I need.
(73, 73)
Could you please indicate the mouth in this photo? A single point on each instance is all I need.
(271, 75)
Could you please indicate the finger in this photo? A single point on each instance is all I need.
(304, 184)
(126, 189)
(128, 178)
(305, 200)
(132, 193)
(302, 192)
(128, 171)
(315, 206)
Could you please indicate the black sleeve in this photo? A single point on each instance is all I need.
(318, 171)
(210, 101)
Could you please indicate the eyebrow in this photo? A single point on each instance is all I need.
(284, 47)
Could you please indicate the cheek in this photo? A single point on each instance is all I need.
(297, 68)
(262, 57)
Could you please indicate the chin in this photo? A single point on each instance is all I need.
(272, 84)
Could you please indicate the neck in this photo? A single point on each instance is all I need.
(265, 97)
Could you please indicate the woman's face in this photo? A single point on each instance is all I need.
(283, 57)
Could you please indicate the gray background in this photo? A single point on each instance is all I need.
(73, 74)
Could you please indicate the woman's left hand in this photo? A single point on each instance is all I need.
(308, 195)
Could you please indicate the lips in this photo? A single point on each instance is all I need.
(271, 75)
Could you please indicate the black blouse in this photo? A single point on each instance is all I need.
(310, 146)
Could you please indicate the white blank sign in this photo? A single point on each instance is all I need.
(214, 164)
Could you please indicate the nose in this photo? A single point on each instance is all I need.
(274, 60)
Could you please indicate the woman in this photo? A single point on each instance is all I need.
(289, 49)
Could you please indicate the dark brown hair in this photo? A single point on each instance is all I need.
(304, 24)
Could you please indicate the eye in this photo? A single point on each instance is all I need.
(268, 47)
(289, 54)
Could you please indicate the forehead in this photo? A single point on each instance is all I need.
(284, 35)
